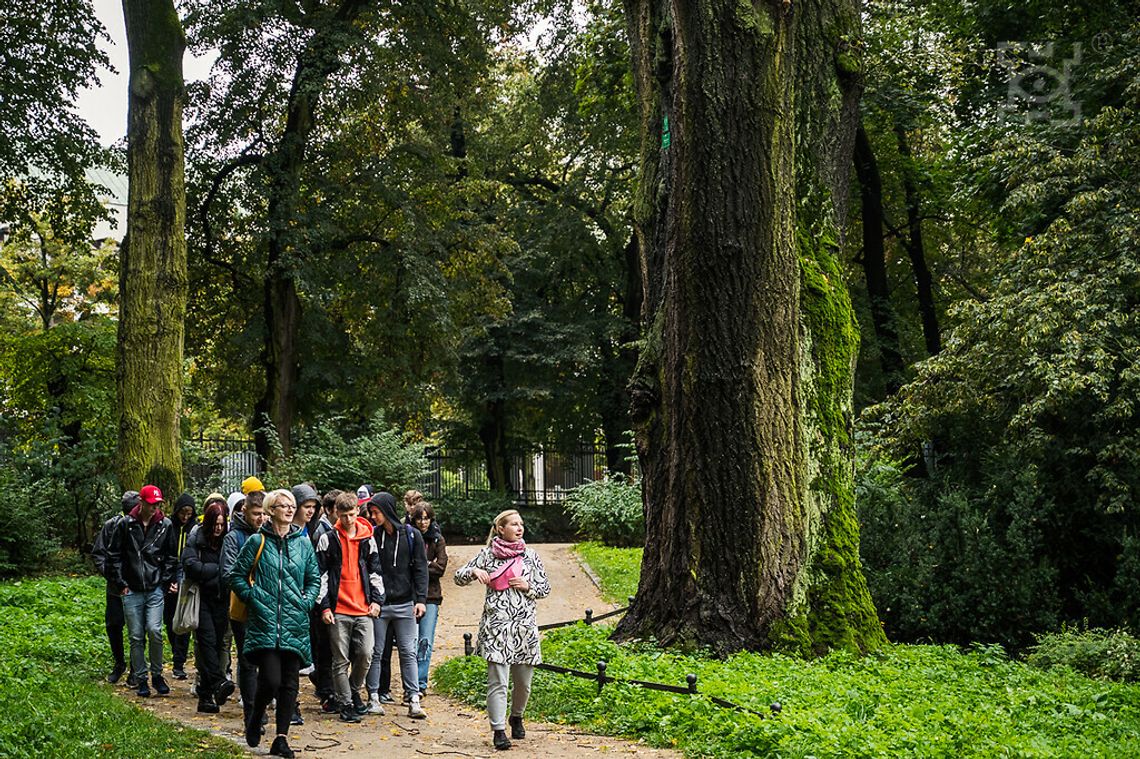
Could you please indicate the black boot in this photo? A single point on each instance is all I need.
(252, 729)
(517, 730)
(223, 693)
(206, 705)
(117, 672)
(280, 747)
(502, 742)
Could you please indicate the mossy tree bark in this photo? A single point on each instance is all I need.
(742, 395)
(152, 269)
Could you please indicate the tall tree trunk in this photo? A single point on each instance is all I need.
(742, 397)
(916, 250)
(493, 427)
(875, 263)
(316, 62)
(152, 269)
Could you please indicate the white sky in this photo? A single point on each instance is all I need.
(105, 106)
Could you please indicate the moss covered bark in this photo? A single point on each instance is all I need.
(152, 269)
(742, 396)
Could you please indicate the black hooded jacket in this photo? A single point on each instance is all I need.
(403, 559)
(201, 563)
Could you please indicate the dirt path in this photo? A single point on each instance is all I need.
(451, 729)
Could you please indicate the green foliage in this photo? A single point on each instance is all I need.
(468, 520)
(1100, 654)
(905, 701)
(618, 569)
(609, 510)
(51, 631)
(1022, 438)
(338, 454)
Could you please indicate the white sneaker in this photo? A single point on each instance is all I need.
(415, 711)
(374, 705)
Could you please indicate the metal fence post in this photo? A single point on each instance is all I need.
(589, 616)
(601, 676)
(692, 681)
(468, 649)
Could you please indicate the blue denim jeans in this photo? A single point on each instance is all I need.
(426, 643)
(143, 610)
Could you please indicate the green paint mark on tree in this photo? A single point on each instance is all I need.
(666, 139)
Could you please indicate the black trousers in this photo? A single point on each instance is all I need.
(321, 678)
(246, 668)
(179, 644)
(386, 661)
(115, 621)
(213, 618)
(277, 673)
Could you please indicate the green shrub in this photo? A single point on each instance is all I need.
(468, 520)
(1100, 654)
(336, 454)
(609, 510)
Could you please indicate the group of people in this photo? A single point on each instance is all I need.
(327, 586)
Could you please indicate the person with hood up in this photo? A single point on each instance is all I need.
(276, 575)
(234, 504)
(184, 518)
(113, 617)
(508, 629)
(244, 524)
(351, 596)
(403, 565)
(201, 564)
(141, 566)
(320, 674)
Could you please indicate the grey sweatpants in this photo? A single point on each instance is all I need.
(403, 618)
(521, 675)
(351, 643)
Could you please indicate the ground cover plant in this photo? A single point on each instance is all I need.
(617, 568)
(904, 701)
(55, 655)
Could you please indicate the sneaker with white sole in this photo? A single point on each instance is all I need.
(374, 705)
(415, 711)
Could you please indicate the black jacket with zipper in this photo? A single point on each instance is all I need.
(139, 558)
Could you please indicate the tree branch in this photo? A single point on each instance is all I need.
(244, 159)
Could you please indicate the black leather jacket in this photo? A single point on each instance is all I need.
(141, 560)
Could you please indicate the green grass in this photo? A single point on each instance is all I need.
(928, 701)
(617, 568)
(53, 654)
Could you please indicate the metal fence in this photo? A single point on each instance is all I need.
(536, 478)
(221, 463)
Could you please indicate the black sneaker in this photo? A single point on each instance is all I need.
(348, 714)
(143, 689)
(502, 742)
(358, 704)
(223, 693)
(116, 672)
(160, 685)
(179, 673)
(132, 681)
(206, 706)
(297, 718)
(386, 698)
(330, 706)
(517, 729)
(280, 747)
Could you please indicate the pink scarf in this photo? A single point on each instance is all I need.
(501, 549)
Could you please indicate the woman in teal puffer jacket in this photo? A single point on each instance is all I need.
(281, 561)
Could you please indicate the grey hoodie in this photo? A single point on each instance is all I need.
(234, 540)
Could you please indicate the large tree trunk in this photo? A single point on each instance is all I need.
(152, 269)
(916, 250)
(875, 263)
(316, 62)
(742, 397)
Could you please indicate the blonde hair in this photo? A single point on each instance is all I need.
(273, 497)
(411, 499)
(500, 520)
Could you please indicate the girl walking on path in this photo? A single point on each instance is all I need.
(423, 518)
(283, 567)
(508, 630)
(201, 562)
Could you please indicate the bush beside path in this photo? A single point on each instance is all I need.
(452, 728)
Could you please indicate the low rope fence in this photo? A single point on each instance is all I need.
(601, 678)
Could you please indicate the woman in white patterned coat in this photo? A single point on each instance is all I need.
(508, 631)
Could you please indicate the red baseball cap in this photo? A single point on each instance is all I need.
(151, 494)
